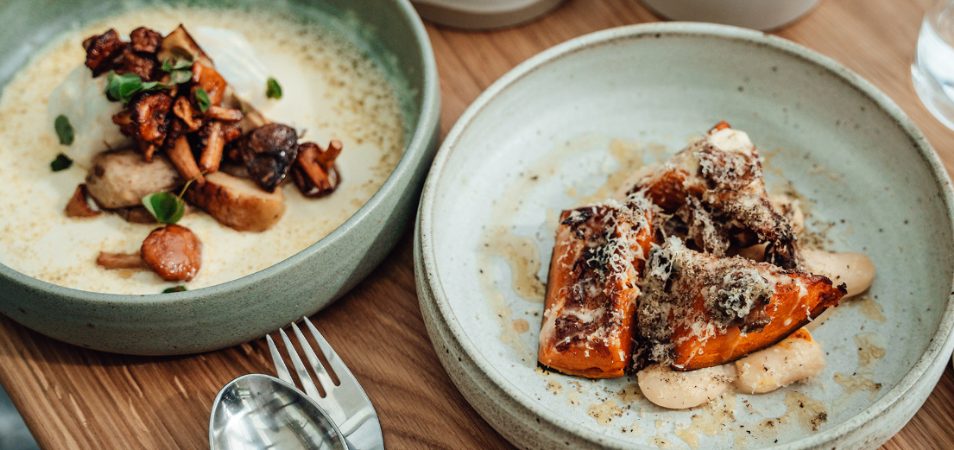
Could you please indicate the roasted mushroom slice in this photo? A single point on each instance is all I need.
(237, 203)
(182, 158)
(79, 206)
(173, 252)
(101, 49)
(212, 139)
(120, 179)
(268, 153)
(697, 310)
(315, 172)
(180, 44)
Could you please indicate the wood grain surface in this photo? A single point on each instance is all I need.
(75, 398)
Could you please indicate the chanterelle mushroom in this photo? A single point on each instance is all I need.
(315, 173)
(173, 252)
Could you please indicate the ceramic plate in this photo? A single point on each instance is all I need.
(567, 126)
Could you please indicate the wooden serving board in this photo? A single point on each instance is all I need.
(75, 398)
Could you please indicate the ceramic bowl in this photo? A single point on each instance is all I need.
(565, 127)
(757, 14)
(246, 308)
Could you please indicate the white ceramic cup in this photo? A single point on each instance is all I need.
(757, 14)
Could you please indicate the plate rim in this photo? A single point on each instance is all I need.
(939, 347)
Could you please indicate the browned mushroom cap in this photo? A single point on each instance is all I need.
(145, 40)
(149, 113)
(101, 49)
(315, 172)
(129, 61)
(183, 110)
(173, 252)
(268, 153)
(79, 206)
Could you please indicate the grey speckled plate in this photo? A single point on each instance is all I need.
(548, 134)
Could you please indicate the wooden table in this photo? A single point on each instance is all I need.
(75, 398)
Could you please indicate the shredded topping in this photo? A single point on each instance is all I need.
(732, 291)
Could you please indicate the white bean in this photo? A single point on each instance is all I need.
(680, 390)
(796, 358)
(854, 269)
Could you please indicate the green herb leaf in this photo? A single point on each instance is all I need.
(123, 87)
(166, 207)
(273, 89)
(168, 65)
(179, 288)
(64, 130)
(61, 162)
(179, 69)
(202, 98)
(180, 76)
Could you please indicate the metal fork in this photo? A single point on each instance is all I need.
(346, 402)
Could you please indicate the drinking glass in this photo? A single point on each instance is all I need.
(933, 70)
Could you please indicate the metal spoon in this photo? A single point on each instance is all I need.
(259, 411)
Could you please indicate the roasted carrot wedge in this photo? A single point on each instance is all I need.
(588, 321)
(698, 311)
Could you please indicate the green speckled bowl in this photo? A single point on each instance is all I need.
(240, 310)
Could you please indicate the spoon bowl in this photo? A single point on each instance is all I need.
(259, 411)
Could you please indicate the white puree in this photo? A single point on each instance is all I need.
(330, 90)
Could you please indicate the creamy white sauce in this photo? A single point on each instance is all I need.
(331, 91)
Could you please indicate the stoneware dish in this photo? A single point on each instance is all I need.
(243, 309)
(547, 136)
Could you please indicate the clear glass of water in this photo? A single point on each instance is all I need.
(933, 68)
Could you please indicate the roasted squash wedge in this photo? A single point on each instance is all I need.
(588, 320)
(697, 310)
(714, 192)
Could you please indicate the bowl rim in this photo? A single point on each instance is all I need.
(414, 152)
(940, 345)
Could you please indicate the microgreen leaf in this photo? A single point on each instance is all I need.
(179, 69)
(64, 130)
(202, 98)
(273, 89)
(179, 288)
(123, 87)
(180, 76)
(166, 207)
(168, 65)
(61, 162)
